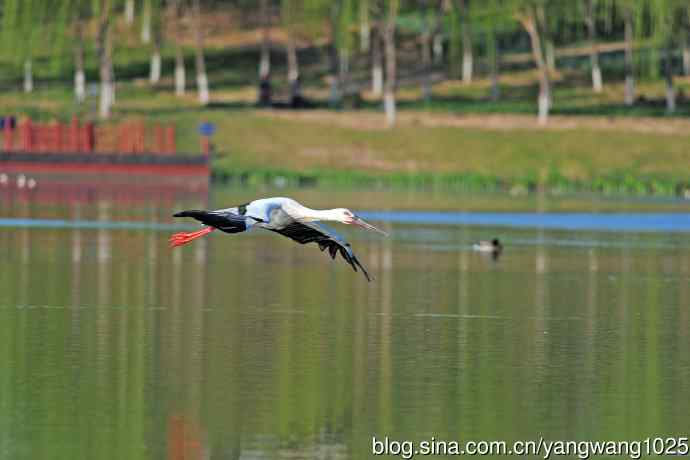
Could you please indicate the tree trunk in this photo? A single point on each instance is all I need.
(529, 22)
(293, 70)
(343, 71)
(201, 77)
(364, 27)
(438, 48)
(28, 76)
(670, 90)
(467, 56)
(334, 98)
(265, 95)
(389, 43)
(629, 64)
(686, 52)
(597, 83)
(426, 66)
(549, 49)
(265, 62)
(376, 65)
(129, 12)
(180, 74)
(426, 58)
(155, 74)
(79, 74)
(146, 23)
(550, 54)
(105, 62)
(494, 60)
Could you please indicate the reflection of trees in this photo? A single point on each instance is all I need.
(292, 356)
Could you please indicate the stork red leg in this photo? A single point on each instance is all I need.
(182, 238)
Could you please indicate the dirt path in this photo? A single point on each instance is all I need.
(375, 121)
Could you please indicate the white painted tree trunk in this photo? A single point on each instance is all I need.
(201, 76)
(155, 74)
(376, 67)
(265, 60)
(79, 74)
(670, 98)
(265, 64)
(129, 12)
(389, 108)
(438, 48)
(467, 65)
(629, 90)
(28, 77)
(106, 99)
(107, 91)
(597, 81)
(544, 105)
(80, 85)
(391, 67)
(686, 59)
(529, 22)
(202, 84)
(180, 77)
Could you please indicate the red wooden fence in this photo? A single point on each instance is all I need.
(129, 137)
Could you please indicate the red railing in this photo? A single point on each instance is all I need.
(75, 137)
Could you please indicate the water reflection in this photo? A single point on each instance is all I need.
(116, 347)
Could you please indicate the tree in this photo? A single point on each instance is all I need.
(129, 11)
(376, 62)
(79, 57)
(176, 14)
(201, 76)
(467, 55)
(146, 14)
(668, 19)
(390, 53)
(104, 46)
(527, 13)
(628, 15)
(590, 21)
(157, 38)
(289, 14)
(265, 61)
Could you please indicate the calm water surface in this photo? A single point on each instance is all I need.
(113, 346)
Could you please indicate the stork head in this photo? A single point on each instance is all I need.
(348, 217)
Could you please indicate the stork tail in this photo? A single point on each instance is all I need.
(182, 238)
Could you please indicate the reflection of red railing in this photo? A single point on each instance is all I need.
(76, 137)
(184, 440)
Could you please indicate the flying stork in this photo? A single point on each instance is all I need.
(284, 216)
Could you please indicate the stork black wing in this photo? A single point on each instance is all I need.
(309, 232)
(224, 221)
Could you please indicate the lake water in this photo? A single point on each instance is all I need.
(113, 346)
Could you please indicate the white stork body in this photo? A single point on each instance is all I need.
(284, 216)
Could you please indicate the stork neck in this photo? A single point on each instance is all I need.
(322, 214)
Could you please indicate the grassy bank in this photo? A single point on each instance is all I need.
(427, 149)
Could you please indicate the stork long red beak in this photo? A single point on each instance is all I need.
(367, 226)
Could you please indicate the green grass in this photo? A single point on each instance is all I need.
(258, 146)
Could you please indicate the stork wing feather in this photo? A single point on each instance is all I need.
(326, 238)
